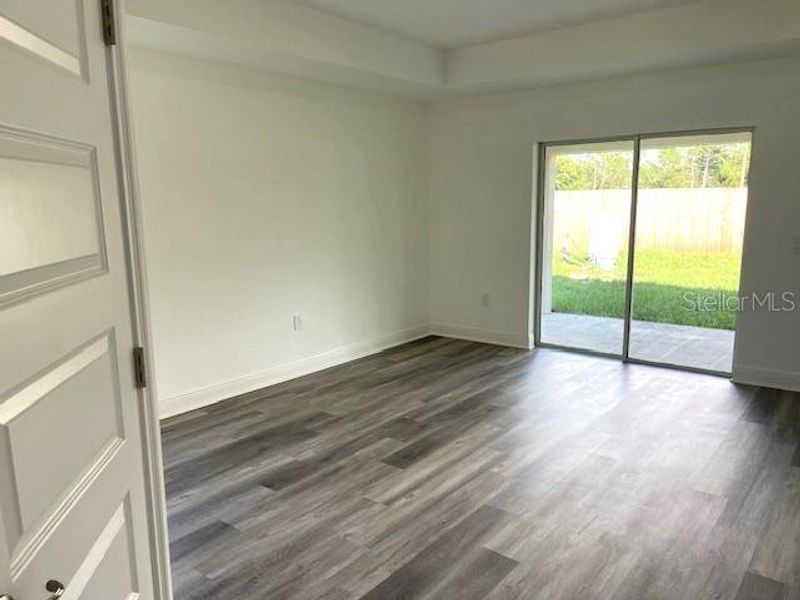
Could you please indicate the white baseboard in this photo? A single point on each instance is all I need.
(215, 393)
(782, 380)
(487, 336)
(170, 407)
(212, 394)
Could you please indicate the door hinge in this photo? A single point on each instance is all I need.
(109, 24)
(139, 370)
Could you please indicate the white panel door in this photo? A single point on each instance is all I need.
(73, 511)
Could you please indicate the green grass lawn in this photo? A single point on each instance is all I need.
(662, 282)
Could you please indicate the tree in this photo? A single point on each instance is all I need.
(596, 171)
(701, 166)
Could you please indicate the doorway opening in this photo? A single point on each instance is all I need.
(640, 247)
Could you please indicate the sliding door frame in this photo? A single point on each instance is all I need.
(540, 221)
(634, 203)
(541, 176)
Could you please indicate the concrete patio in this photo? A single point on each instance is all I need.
(681, 345)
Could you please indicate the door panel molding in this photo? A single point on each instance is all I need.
(32, 33)
(27, 552)
(38, 46)
(71, 247)
(52, 395)
(115, 536)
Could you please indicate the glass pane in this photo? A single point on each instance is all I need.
(587, 199)
(689, 230)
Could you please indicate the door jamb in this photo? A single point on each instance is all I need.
(140, 310)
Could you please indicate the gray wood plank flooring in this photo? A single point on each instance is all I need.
(450, 469)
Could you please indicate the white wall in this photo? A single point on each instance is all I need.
(482, 159)
(376, 218)
(266, 196)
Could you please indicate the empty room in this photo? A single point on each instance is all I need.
(399, 299)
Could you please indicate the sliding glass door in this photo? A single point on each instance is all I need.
(691, 202)
(587, 209)
(640, 247)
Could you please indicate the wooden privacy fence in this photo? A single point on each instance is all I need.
(672, 219)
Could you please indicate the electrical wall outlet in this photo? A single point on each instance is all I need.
(485, 299)
(297, 323)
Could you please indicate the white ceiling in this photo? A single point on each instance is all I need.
(455, 23)
(293, 38)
